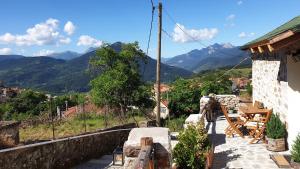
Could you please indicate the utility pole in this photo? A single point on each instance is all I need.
(52, 118)
(158, 65)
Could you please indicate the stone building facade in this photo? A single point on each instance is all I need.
(275, 73)
(268, 87)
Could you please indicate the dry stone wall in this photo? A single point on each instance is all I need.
(230, 101)
(63, 153)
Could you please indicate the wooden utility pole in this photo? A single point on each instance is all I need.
(158, 65)
(52, 118)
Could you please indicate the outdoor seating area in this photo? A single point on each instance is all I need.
(250, 120)
(236, 152)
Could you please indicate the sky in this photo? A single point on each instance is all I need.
(42, 27)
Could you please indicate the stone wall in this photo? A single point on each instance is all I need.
(9, 134)
(268, 86)
(63, 153)
(230, 101)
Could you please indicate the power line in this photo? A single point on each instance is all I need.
(248, 57)
(196, 40)
(150, 33)
(151, 25)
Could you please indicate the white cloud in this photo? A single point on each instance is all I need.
(69, 28)
(85, 40)
(230, 17)
(240, 2)
(5, 51)
(246, 35)
(45, 33)
(191, 35)
(43, 52)
(65, 40)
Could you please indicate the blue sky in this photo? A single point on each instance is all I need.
(39, 27)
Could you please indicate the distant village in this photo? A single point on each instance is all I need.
(8, 92)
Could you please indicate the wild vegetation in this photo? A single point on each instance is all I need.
(30, 104)
(74, 126)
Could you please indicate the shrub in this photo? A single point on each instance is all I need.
(176, 124)
(249, 89)
(275, 128)
(193, 144)
(296, 150)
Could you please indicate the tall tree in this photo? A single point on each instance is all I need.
(184, 97)
(119, 83)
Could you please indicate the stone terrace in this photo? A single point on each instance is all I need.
(236, 152)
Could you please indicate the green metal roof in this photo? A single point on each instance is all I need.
(293, 25)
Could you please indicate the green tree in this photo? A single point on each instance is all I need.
(29, 102)
(221, 86)
(184, 97)
(119, 83)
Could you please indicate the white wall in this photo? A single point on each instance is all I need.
(293, 72)
(163, 115)
(267, 89)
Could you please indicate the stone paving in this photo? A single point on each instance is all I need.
(236, 152)
(105, 162)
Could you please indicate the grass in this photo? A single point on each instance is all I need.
(175, 124)
(72, 126)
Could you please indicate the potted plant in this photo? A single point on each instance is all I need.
(194, 149)
(296, 153)
(276, 133)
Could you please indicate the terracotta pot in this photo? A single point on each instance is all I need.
(209, 158)
(295, 165)
(276, 144)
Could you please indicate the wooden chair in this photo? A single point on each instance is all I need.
(234, 124)
(257, 128)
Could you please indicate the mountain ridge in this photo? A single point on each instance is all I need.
(206, 58)
(59, 76)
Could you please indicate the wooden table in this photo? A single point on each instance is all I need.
(249, 114)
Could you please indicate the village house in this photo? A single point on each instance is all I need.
(240, 83)
(7, 92)
(275, 73)
(164, 110)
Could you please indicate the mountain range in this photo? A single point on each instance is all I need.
(209, 58)
(68, 71)
(66, 74)
(67, 55)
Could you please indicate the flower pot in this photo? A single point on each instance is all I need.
(295, 165)
(209, 158)
(276, 144)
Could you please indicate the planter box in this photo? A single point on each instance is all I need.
(295, 165)
(276, 144)
(210, 158)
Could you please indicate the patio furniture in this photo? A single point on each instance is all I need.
(234, 124)
(256, 126)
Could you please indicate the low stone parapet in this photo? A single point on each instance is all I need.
(63, 153)
(162, 144)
